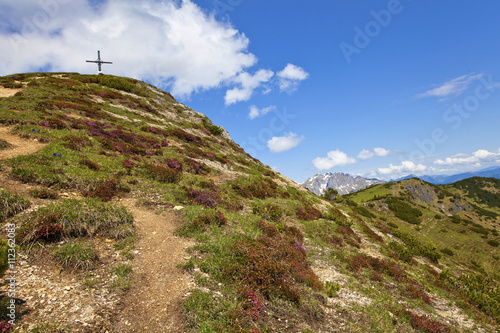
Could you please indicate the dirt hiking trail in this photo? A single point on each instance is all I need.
(7, 92)
(154, 301)
(19, 147)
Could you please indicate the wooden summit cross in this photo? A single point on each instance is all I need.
(99, 62)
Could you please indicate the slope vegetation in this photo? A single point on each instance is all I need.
(135, 213)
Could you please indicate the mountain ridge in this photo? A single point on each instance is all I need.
(493, 172)
(342, 182)
(143, 211)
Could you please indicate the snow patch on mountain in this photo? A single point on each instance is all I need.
(342, 182)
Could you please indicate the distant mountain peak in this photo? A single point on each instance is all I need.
(491, 172)
(342, 182)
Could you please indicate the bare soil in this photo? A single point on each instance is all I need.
(154, 302)
(19, 147)
(7, 92)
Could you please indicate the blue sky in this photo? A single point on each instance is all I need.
(374, 88)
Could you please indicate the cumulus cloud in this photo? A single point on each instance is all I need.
(332, 159)
(172, 44)
(284, 143)
(381, 152)
(290, 77)
(256, 112)
(367, 154)
(453, 87)
(247, 84)
(404, 167)
(478, 157)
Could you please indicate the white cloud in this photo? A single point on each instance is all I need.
(284, 143)
(290, 77)
(256, 112)
(482, 154)
(365, 154)
(248, 83)
(478, 157)
(380, 152)
(333, 158)
(452, 87)
(404, 167)
(170, 43)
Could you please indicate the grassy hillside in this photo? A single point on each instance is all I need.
(268, 255)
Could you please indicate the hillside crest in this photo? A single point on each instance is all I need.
(133, 212)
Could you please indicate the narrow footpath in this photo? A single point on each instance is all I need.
(154, 302)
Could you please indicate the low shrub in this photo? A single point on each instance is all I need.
(448, 252)
(104, 190)
(91, 165)
(4, 144)
(128, 164)
(202, 221)
(260, 188)
(349, 235)
(4, 325)
(363, 211)
(253, 303)
(186, 137)
(493, 243)
(308, 214)
(75, 142)
(404, 211)
(44, 193)
(368, 231)
(273, 264)
(415, 247)
(208, 198)
(332, 288)
(174, 164)
(336, 215)
(163, 174)
(268, 212)
(393, 225)
(401, 252)
(480, 290)
(424, 323)
(477, 228)
(195, 167)
(75, 218)
(213, 129)
(56, 123)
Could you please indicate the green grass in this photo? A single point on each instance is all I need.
(248, 229)
(76, 255)
(73, 218)
(332, 288)
(123, 277)
(4, 144)
(126, 245)
(4, 264)
(372, 193)
(11, 204)
(44, 193)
